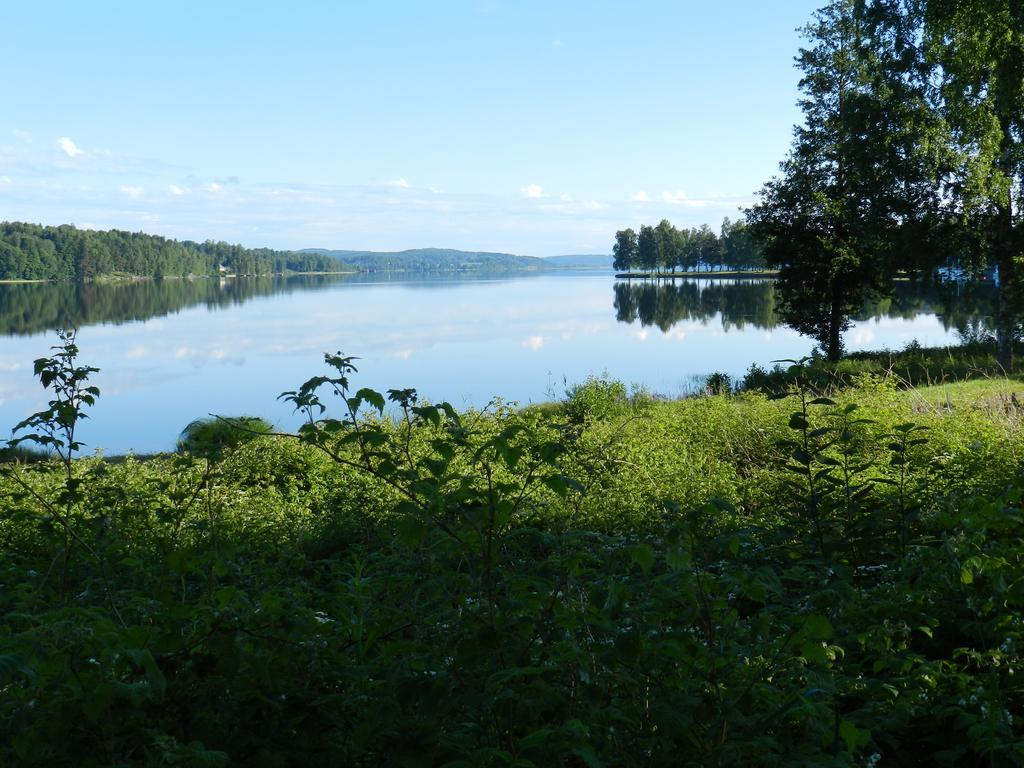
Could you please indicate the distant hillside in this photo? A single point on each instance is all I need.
(35, 252)
(590, 260)
(431, 260)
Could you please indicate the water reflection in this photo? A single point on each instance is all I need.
(962, 307)
(174, 350)
(29, 308)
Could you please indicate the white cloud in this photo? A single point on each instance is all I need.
(213, 186)
(595, 206)
(565, 197)
(6, 180)
(175, 190)
(400, 183)
(533, 191)
(640, 197)
(68, 147)
(139, 350)
(534, 343)
(23, 135)
(132, 192)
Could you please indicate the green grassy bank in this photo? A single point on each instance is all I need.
(725, 580)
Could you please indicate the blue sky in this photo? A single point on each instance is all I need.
(529, 127)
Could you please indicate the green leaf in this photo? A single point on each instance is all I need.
(643, 556)
(817, 627)
(814, 652)
(374, 398)
(678, 559)
(852, 736)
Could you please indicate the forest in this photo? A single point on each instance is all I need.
(36, 252)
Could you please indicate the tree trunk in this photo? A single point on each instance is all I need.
(834, 347)
(1006, 321)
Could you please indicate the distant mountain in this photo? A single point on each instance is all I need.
(589, 260)
(431, 260)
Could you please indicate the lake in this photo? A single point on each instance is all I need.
(171, 351)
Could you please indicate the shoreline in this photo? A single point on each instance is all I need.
(727, 274)
(142, 278)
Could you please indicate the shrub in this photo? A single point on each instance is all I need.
(596, 398)
(209, 436)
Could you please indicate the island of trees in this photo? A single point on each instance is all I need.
(664, 249)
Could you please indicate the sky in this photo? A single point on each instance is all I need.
(522, 126)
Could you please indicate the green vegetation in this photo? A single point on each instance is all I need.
(726, 580)
(910, 367)
(34, 252)
(910, 154)
(666, 249)
(213, 436)
(847, 210)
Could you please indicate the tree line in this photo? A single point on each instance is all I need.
(911, 153)
(36, 252)
(664, 248)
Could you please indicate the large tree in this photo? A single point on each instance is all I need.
(835, 221)
(976, 52)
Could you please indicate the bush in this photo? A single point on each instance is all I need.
(597, 398)
(209, 436)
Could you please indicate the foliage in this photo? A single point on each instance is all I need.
(974, 52)
(665, 248)
(596, 398)
(35, 252)
(855, 182)
(213, 435)
(910, 367)
(717, 581)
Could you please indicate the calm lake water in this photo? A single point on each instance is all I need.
(172, 351)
